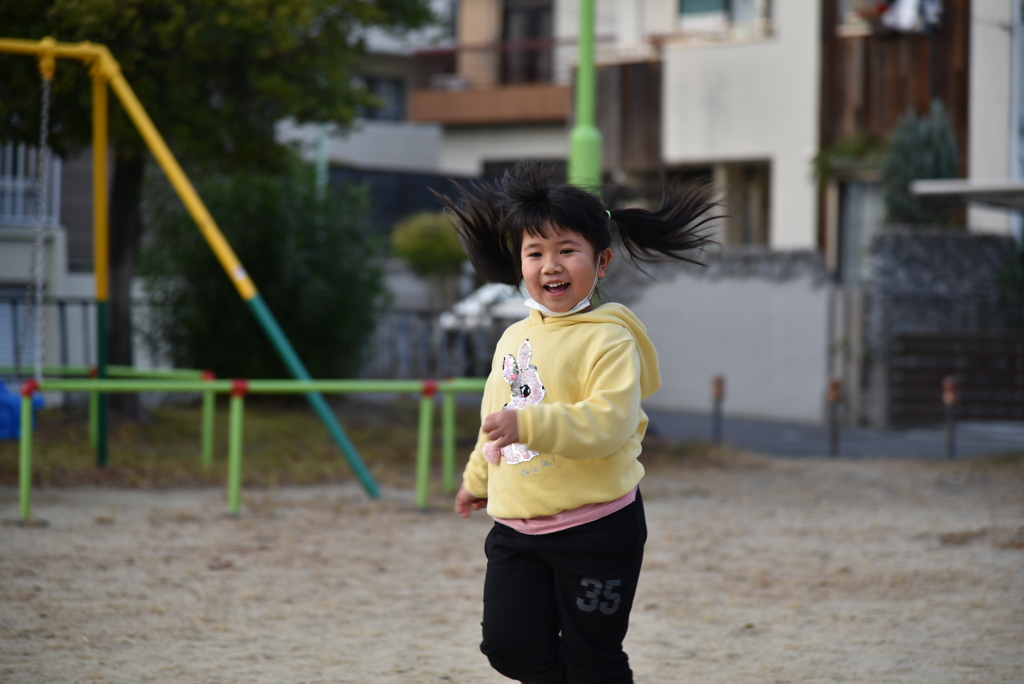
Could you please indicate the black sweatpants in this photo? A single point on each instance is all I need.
(579, 583)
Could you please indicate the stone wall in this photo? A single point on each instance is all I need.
(931, 281)
(926, 280)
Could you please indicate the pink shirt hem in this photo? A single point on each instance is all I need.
(546, 524)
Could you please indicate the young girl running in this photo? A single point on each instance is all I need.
(556, 460)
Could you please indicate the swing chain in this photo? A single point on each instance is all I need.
(34, 295)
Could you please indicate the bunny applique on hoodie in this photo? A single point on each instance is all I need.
(527, 390)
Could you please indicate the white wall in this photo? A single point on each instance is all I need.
(769, 340)
(754, 100)
(989, 108)
(464, 150)
(384, 145)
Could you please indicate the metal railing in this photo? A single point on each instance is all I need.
(507, 62)
(238, 389)
(18, 187)
(413, 344)
(75, 331)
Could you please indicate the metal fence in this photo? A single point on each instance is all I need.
(18, 187)
(414, 344)
(70, 328)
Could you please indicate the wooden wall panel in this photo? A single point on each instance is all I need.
(869, 82)
(629, 116)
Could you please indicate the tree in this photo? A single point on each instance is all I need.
(919, 149)
(317, 264)
(214, 76)
(429, 244)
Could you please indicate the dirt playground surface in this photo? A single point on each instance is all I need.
(756, 571)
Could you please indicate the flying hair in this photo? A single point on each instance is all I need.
(491, 219)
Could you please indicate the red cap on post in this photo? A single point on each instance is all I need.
(833, 390)
(29, 387)
(209, 375)
(94, 372)
(718, 387)
(239, 388)
(949, 393)
(429, 388)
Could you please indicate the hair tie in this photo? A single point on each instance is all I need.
(608, 212)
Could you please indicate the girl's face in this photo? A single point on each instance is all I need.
(560, 270)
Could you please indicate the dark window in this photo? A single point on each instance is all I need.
(391, 94)
(526, 32)
(395, 195)
(703, 6)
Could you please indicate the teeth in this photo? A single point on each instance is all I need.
(556, 284)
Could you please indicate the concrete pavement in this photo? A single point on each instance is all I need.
(800, 440)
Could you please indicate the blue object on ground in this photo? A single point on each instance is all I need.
(10, 412)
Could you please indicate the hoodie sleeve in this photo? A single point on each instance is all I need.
(474, 477)
(597, 425)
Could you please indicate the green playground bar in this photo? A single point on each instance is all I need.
(204, 383)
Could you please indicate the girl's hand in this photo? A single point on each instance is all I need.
(502, 428)
(466, 503)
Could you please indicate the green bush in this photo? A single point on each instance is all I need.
(429, 244)
(314, 263)
(919, 148)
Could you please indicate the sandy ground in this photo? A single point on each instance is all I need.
(768, 572)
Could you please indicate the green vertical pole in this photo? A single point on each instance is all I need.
(585, 139)
(423, 450)
(448, 443)
(100, 243)
(25, 462)
(235, 447)
(94, 420)
(321, 166)
(101, 370)
(209, 413)
(316, 400)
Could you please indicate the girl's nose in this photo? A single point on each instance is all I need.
(551, 265)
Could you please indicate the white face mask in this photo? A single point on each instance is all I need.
(583, 303)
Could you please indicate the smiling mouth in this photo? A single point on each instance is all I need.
(556, 289)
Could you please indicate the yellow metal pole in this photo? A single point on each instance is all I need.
(100, 234)
(178, 179)
(100, 245)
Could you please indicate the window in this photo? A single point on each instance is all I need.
(722, 15)
(391, 93)
(527, 28)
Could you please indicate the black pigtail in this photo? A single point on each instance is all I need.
(530, 200)
(678, 226)
(477, 218)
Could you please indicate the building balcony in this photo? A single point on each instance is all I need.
(531, 103)
(505, 83)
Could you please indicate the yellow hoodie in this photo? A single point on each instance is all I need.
(576, 382)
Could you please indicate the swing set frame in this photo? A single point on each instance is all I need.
(105, 73)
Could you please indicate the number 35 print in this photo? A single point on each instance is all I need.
(596, 589)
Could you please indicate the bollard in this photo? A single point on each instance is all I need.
(949, 400)
(834, 393)
(25, 462)
(209, 409)
(239, 388)
(448, 443)
(423, 447)
(717, 396)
